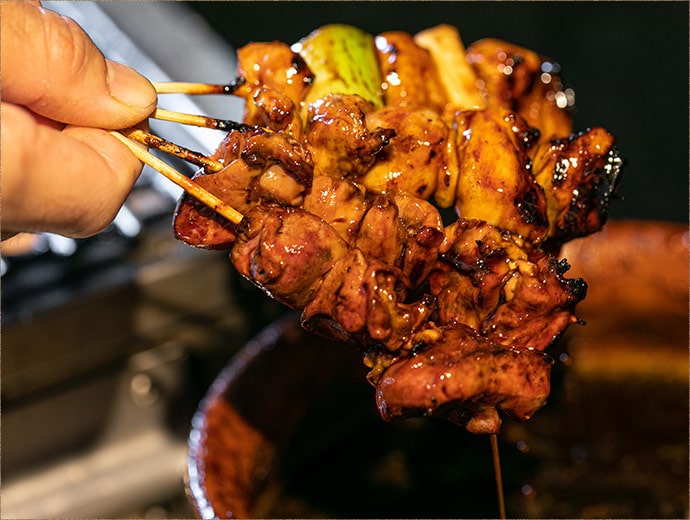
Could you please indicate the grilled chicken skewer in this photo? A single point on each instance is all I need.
(320, 254)
(331, 188)
(424, 131)
(331, 176)
(315, 279)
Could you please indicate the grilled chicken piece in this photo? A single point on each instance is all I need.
(263, 149)
(198, 225)
(410, 77)
(402, 231)
(495, 181)
(468, 379)
(502, 288)
(521, 80)
(398, 228)
(339, 202)
(424, 227)
(362, 300)
(419, 154)
(381, 235)
(338, 137)
(273, 80)
(286, 252)
(580, 176)
(479, 267)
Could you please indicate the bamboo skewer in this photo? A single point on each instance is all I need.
(195, 120)
(181, 87)
(153, 141)
(181, 180)
(497, 474)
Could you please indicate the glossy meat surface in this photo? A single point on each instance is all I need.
(262, 167)
(580, 176)
(467, 379)
(417, 155)
(362, 300)
(506, 290)
(495, 182)
(286, 252)
(452, 318)
(274, 80)
(339, 202)
(338, 137)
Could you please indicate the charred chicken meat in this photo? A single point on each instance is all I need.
(353, 147)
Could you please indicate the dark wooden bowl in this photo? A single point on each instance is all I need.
(290, 429)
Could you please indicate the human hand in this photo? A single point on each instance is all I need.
(60, 171)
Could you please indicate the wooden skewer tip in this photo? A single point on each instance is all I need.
(191, 88)
(498, 476)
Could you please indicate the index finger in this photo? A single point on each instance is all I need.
(52, 67)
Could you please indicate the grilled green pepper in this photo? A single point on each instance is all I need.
(343, 60)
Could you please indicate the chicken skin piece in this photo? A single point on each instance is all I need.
(580, 176)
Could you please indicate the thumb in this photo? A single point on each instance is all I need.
(53, 68)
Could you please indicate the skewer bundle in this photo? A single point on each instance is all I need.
(323, 194)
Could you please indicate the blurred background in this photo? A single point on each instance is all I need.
(109, 343)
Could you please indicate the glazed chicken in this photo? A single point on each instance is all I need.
(353, 147)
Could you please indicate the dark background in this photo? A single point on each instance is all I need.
(627, 61)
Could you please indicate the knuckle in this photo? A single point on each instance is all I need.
(71, 49)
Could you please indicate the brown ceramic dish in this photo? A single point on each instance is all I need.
(290, 428)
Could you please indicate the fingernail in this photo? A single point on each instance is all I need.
(129, 87)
